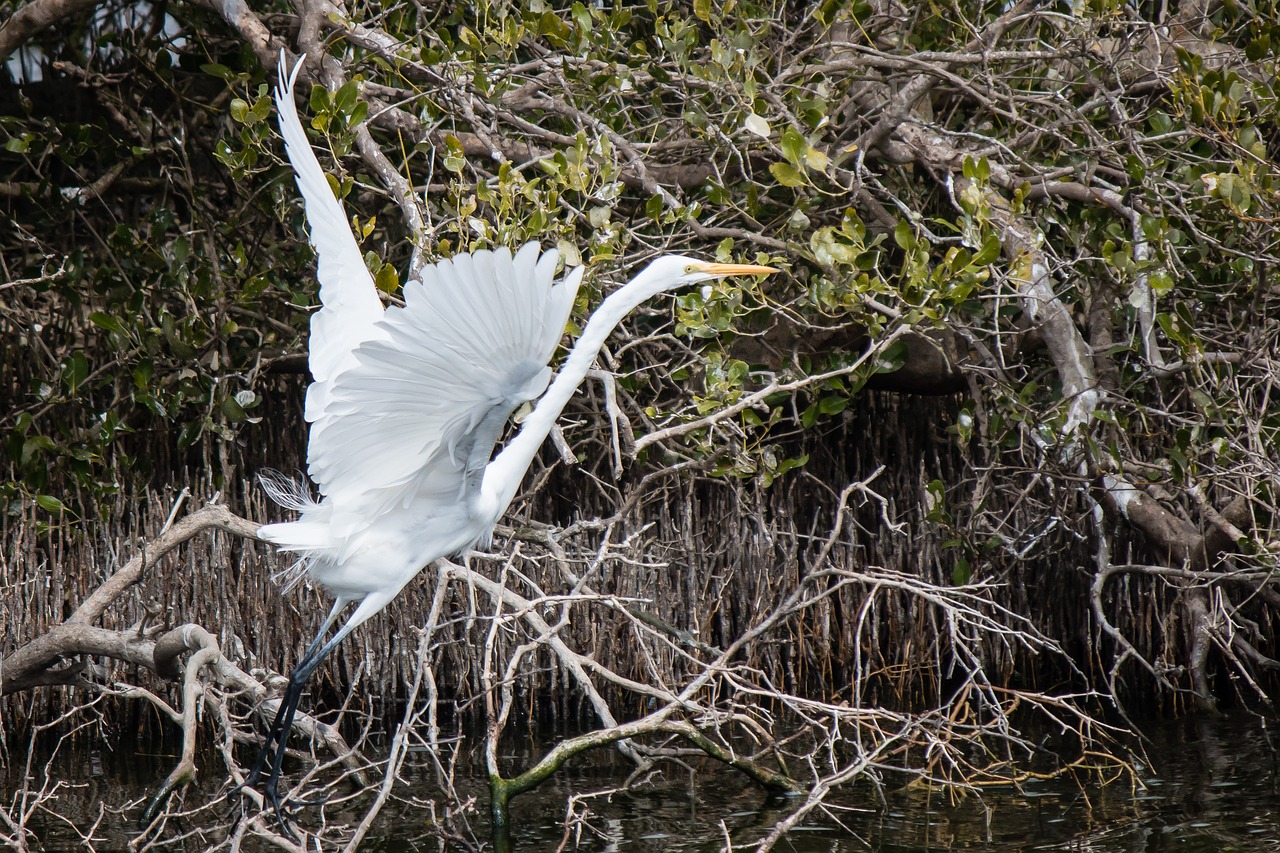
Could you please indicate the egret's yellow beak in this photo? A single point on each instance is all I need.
(733, 269)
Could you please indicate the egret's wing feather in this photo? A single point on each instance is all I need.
(349, 304)
(417, 414)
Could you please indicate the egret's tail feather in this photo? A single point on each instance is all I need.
(289, 492)
(290, 576)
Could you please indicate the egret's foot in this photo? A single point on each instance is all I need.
(281, 809)
(271, 800)
(250, 783)
(255, 772)
(307, 804)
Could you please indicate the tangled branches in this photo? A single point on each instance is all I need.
(700, 699)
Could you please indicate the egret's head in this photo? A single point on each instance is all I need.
(675, 271)
(693, 270)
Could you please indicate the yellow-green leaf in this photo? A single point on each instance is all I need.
(387, 280)
(786, 174)
(816, 160)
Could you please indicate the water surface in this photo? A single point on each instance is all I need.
(1204, 786)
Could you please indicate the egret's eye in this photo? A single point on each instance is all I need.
(690, 269)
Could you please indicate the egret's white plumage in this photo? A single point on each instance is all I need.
(407, 404)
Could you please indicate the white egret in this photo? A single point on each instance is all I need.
(407, 404)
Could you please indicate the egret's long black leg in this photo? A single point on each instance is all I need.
(283, 722)
(288, 705)
(277, 726)
(278, 733)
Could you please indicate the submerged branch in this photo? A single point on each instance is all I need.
(503, 789)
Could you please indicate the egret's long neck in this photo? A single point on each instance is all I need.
(503, 475)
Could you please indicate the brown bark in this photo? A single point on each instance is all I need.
(34, 17)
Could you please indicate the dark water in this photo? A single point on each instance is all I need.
(1206, 786)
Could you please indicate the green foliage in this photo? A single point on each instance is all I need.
(145, 343)
(615, 132)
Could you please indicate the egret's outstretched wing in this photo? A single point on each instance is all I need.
(416, 417)
(349, 304)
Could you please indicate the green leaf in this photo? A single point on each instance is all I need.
(344, 101)
(794, 146)
(1136, 170)
(334, 185)
(261, 109)
(49, 503)
(190, 433)
(786, 174)
(549, 24)
(106, 321)
(1239, 197)
(76, 370)
(702, 8)
(35, 446)
(989, 252)
(232, 410)
(893, 357)
(239, 109)
(216, 70)
(455, 160)
(1172, 329)
(833, 405)
(319, 99)
(904, 235)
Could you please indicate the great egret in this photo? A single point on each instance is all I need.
(407, 403)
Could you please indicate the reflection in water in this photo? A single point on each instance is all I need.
(1208, 786)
